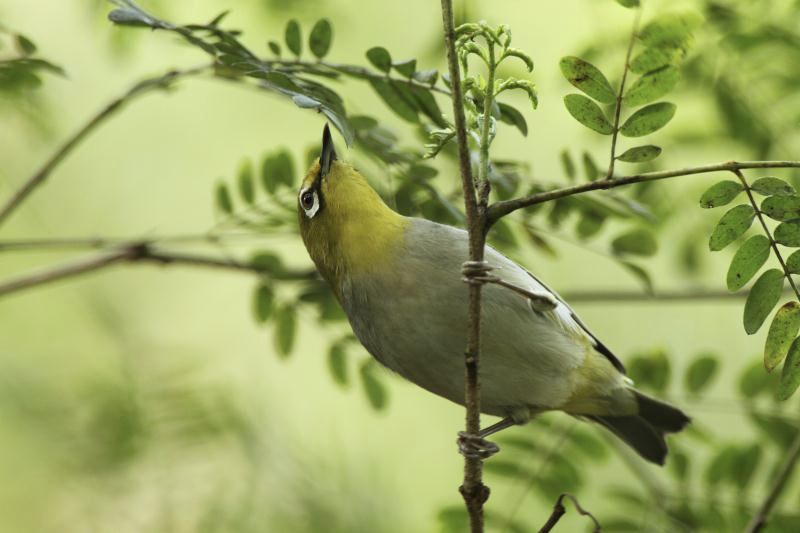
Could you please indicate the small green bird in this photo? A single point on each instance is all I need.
(398, 280)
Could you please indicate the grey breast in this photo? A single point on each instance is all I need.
(413, 320)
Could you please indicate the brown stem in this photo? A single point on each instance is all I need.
(618, 105)
(473, 490)
(500, 209)
(18, 196)
(559, 510)
(787, 468)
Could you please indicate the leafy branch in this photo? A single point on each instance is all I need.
(618, 103)
(499, 209)
(781, 204)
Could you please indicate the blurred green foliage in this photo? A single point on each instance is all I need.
(162, 425)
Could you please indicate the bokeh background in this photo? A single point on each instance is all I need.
(146, 398)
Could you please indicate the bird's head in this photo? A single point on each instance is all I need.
(345, 225)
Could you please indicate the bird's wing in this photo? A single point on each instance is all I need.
(566, 312)
(563, 314)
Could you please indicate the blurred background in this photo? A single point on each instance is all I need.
(148, 398)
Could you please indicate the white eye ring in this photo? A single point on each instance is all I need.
(309, 201)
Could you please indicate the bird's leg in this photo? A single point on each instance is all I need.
(476, 446)
(507, 422)
(476, 272)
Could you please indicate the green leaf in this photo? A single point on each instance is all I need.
(700, 373)
(636, 242)
(771, 186)
(396, 99)
(781, 208)
(590, 168)
(731, 226)
(793, 263)
(589, 224)
(268, 262)
(651, 370)
(588, 79)
(749, 258)
(567, 164)
(588, 113)
(651, 86)
(671, 31)
(424, 100)
(753, 381)
(337, 364)
(648, 120)
(405, 68)
(782, 332)
(319, 41)
(640, 154)
(373, 387)
(721, 193)
(426, 76)
(746, 464)
(245, 180)
(263, 299)
(25, 45)
(380, 58)
(628, 3)
(276, 170)
(125, 16)
(655, 58)
(293, 38)
(721, 467)
(223, 197)
(285, 330)
(790, 376)
(788, 234)
(763, 296)
(510, 115)
(641, 274)
(275, 48)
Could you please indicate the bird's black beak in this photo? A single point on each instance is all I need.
(328, 154)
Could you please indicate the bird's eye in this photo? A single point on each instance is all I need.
(309, 202)
(307, 199)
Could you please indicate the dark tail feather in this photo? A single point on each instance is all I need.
(645, 432)
(662, 416)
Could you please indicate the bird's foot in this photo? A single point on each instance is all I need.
(477, 272)
(474, 446)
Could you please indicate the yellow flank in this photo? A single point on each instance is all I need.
(598, 389)
(354, 232)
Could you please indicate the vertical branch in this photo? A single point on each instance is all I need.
(473, 490)
(618, 105)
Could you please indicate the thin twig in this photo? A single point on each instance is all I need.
(559, 510)
(500, 209)
(159, 82)
(142, 253)
(787, 468)
(66, 270)
(687, 295)
(618, 105)
(473, 490)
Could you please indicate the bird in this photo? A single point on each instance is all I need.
(399, 281)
